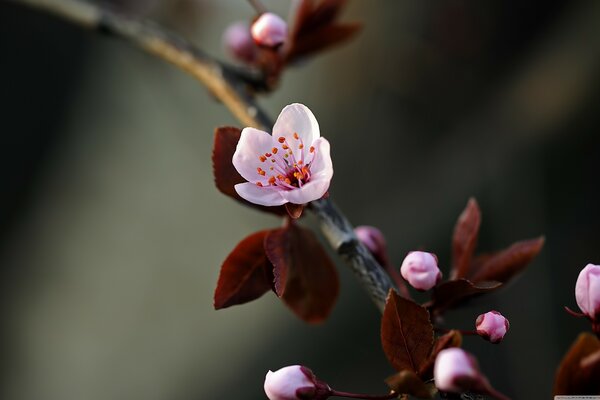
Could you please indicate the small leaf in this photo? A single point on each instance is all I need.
(225, 174)
(294, 210)
(447, 340)
(464, 239)
(321, 39)
(505, 264)
(245, 274)
(408, 382)
(406, 333)
(571, 377)
(305, 277)
(451, 293)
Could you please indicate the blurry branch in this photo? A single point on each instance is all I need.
(229, 86)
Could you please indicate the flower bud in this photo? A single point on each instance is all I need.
(269, 30)
(455, 370)
(492, 326)
(294, 383)
(238, 42)
(587, 291)
(373, 240)
(421, 270)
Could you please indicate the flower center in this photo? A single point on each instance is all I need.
(281, 169)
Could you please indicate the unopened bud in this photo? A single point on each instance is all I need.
(373, 240)
(295, 382)
(421, 270)
(492, 326)
(269, 30)
(455, 370)
(238, 42)
(587, 291)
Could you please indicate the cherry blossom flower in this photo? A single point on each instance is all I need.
(492, 326)
(587, 291)
(421, 270)
(269, 30)
(292, 166)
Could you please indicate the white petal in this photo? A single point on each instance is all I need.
(253, 143)
(313, 190)
(260, 195)
(321, 166)
(297, 118)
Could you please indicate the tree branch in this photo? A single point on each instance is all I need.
(226, 84)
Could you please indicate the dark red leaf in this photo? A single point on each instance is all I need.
(573, 378)
(245, 274)
(320, 39)
(407, 382)
(449, 339)
(226, 176)
(451, 293)
(406, 333)
(323, 14)
(505, 264)
(464, 239)
(305, 277)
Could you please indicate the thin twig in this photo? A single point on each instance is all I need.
(231, 89)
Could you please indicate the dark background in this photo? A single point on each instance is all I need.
(112, 233)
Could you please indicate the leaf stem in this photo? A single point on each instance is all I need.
(391, 395)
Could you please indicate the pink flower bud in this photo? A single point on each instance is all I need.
(421, 270)
(587, 291)
(291, 383)
(373, 240)
(455, 370)
(238, 42)
(492, 326)
(269, 30)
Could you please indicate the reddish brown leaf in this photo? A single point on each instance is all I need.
(305, 277)
(505, 264)
(464, 239)
(318, 40)
(571, 377)
(226, 176)
(294, 210)
(245, 274)
(406, 333)
(408, 382)
(450, 339)
(451, 293)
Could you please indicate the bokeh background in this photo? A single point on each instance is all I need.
(112, 233)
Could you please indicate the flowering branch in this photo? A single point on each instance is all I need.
(230, 86)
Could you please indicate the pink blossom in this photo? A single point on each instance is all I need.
(373, 239)
(292, 166)
(269, 30)
(454, 369)
(239, 43)
(587, 291)
(290, 383)
(492, 326)
(421, 270)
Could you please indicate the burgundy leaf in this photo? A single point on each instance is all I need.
(305, 277)
(324, 13)
(406, 333)
(464, 239)
(321, 39)
(449, 339)
(407, 382)
(245, 274)
(577, 372)
(451, 293)
(505, 264)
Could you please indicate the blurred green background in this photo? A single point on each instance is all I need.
(112, 233)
